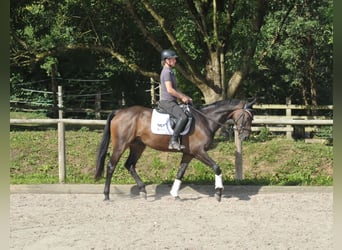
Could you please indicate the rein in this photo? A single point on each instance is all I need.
(245, 110)
(205, 115)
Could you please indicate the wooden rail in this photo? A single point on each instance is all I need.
(283, 121)
(277, 123)
(289, 123)
(292, 106)
(56, 121)
(238, 158)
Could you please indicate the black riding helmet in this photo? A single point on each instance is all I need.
(167, 53)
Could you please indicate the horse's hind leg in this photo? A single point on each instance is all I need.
(136, 150)
(110, 170)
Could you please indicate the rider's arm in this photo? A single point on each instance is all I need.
(172, 91)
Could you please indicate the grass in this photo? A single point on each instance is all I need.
(27, 115)
(267, 161)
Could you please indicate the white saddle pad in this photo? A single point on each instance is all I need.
(160, 124)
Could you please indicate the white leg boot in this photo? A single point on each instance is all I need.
(175, 188)
(218, 181)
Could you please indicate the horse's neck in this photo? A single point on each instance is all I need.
(216, 117)
(218, 113)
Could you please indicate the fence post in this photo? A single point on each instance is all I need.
(153, 92)
(238, 156)
(123, 101)
(54, 89)
(98, 105)
(61, 139)
(288, 113)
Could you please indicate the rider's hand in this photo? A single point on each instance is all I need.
(186, 99)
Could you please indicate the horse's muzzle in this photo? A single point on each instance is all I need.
(244, 134)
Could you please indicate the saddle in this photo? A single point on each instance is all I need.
(163, 123)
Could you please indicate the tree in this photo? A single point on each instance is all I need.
(206, 35)
(226, 48)
(297, 61)
(203, 57)
(77, 38)
(307, 45)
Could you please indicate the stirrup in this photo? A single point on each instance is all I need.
(176, 145)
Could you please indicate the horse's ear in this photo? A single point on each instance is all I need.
(250, 104)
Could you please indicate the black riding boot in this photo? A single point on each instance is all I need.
(174, 142)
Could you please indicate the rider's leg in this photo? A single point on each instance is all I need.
(173, 109)
(174, 141)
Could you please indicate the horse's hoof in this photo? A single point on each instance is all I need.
(218, 194)
(106, 197)
(177, 198)
(143, 195)
(218, 197)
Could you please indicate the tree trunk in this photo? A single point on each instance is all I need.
(303, 91)
(209, 94)
(213, 75)
(312, 78)
(234, 83)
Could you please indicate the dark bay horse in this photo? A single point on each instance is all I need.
(131, 128)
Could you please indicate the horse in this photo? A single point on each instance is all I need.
(131, 128)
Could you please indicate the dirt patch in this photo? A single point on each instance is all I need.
(245, 219)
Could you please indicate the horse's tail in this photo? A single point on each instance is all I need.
(102, 150)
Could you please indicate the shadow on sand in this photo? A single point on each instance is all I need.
(197, 191)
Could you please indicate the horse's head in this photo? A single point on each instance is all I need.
(243, 118)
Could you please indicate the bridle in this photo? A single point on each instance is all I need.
(246, 112)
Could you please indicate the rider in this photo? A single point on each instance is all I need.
(170, 94)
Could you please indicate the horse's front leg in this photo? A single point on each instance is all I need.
(218, 182)
(204, 157)
(181, 171)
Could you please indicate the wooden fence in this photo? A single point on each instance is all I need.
(292, 125)
(238, 153)
(286, 123)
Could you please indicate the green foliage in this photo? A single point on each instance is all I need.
(48, 64)
(325, 132)
(185, 32)
(264, 135)
(27, 115)
(281, 48)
